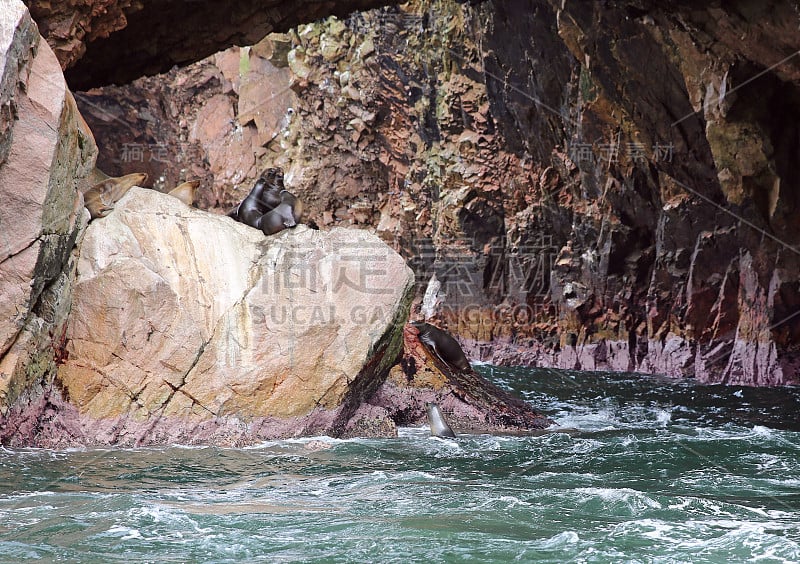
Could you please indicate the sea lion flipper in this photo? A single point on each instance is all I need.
(270, 223)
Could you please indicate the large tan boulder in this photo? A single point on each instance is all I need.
(189, 327)
(45, 149)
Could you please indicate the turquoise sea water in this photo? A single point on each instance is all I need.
(642, 470)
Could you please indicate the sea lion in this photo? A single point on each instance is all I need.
(286, 214)
(264, 197)
(185, 192)
(101, 198)
(439, 427)
(251, 208)
(445, 347)
(271, 197)
(94, 177)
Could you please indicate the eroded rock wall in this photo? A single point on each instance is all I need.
(45, 150)
(583, 185)
(102, 42)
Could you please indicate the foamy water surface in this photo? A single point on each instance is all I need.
(638, 470)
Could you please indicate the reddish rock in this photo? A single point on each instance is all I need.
(584, 180)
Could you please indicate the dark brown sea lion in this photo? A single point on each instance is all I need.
(439, 427)
(445, 347)
(263, 197)
(286, 214)
(101, 198)
(271, 195)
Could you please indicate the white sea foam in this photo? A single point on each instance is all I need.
(513, 501)
(451, 443)
(297, 441)
(413, 432)
(654, 529)
(124, 533)
(633, 499)
(171, 516)
(560, 540)
(761, 431)
(663, 416)
(588, 422)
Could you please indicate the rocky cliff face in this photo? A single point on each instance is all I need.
(45, 150)
(115, 41)
(583, 185)
(161, 323)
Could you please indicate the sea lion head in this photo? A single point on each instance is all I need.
(437, 422)
(185, 192)
(273, 177)
(269, 195)
(101, 198)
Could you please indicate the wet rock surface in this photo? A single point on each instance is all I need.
(471, 404)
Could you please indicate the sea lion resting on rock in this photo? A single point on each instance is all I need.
(101, 198)
(286, 214)
(264, 197)
(185, 192)
(445, 347)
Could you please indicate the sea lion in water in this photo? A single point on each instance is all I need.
(445, 347)
(101, 198)
(286, 214)
(185, 192)
(264, 197)
(439, 427)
